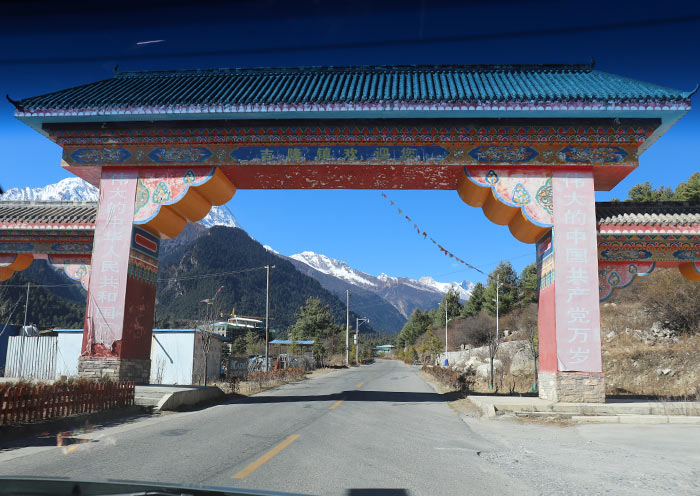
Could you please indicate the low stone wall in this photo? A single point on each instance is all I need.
(460, 358)
(117, 369)
(572, 387)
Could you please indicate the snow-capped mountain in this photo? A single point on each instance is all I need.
(335, 268)
(464, 288)
(402, 293)
(69, 189)
(76, 189)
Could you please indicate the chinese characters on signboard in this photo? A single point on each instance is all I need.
(576, 267)
(110, 257)
(339, 154)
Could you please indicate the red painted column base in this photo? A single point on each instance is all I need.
(553, 384)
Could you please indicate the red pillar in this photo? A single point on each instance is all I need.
(122, 289)
(569, 312)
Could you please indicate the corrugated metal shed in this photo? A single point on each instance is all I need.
(287, 341)
(211, 88)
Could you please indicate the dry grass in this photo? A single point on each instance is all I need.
(618, 316)
(631, 367)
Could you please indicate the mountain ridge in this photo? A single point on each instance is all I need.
(387, 300)
(77, 189)
(403, 293)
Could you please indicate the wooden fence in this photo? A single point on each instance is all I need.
(23, 403)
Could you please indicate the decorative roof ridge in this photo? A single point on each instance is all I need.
(647, 213)
(587, 67)
(684, 94)
(46, 203)
(628, 205)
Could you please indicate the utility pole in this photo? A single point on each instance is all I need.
(498, 287)
(347, 328)
(357, 341)
(445, 327)
(358, 321)
(493, 346)
(267, 318)
(26, 305)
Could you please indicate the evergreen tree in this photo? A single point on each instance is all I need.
(454, 308)
(686, 191)
(251, 342)
(529, 285)
(417, 325)
(430, 344)
(508, 293)
(313, 321)
(644, 192)
(690, 191)
(238, 347)
(475, 302)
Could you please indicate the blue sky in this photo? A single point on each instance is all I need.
(45, 50)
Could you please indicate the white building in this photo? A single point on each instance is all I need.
(177, 356)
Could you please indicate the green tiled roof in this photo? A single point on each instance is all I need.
(501, 87)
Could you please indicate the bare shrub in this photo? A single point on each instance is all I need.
(452, 379)
(673, 300)
(475, 331)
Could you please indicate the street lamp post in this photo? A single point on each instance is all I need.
(267, 317)
(497, 291)
(492, 347)
(347, 328)
(358, 321)
(445, 327)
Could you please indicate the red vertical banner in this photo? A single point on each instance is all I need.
(576, 273)
(110, 262)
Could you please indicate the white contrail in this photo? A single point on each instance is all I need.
(149, 42)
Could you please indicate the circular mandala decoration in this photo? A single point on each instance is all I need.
(142, 196)
(189, 177)
(684, 254)
(544, 196)
(162, 193)
(614, 279)
(520, 195)
(491, 177)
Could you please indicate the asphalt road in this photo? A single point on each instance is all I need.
(374, 427)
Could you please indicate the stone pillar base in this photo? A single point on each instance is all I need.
(137, 370)
(572, 387)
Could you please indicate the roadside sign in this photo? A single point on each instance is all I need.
(238, 366)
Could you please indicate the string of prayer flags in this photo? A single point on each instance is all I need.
(449, 253)
(426, 236)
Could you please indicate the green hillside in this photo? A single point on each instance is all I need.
(226, 249)
(45, 309)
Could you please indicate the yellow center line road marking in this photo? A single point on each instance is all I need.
(265, 458)
(360, 384)
(335, 405)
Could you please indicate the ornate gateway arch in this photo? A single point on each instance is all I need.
(527, 144)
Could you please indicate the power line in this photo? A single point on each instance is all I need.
(40, 285)
(204, 276)
(361, 44)
(184, 278)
